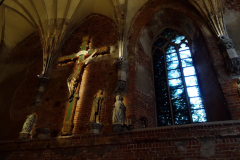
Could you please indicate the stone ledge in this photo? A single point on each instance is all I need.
(195, 125)
(214, 130)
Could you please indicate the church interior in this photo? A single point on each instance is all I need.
(119, 79)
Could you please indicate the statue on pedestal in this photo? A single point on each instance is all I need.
(27, 127)
(94, 126)
(96, 107)
(118, 111)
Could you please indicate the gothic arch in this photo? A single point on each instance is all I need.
(56, 92)
(147, 23)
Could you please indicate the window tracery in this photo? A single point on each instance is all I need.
(177, 91)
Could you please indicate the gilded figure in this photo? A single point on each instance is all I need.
(96, 107)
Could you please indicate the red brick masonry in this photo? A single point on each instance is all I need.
(215, 140)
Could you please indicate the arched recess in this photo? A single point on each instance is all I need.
(144, 30)
(51, 112)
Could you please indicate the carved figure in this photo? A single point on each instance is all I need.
(238, 86)
(96, 107)
(28, 124)
(72, 83)
(118, 111)
(227, 42)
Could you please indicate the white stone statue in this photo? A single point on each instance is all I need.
(118, 111)
(28, 124)
(96, 107)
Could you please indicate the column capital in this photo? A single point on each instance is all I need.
(226, 43)
(43, 81)
(233, 65)
(122, 65)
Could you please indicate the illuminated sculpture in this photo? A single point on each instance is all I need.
(27, 127)
(72, 83)
(95, 126)
(96, 107)
(118, 111)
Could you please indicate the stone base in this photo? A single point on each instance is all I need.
(67, 128)
(233, 66)
(43, 133)
(118, 128)
(24, 136)
(121, 86)
(94, 128)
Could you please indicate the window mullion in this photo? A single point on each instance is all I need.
(169, 95)
(184, 83)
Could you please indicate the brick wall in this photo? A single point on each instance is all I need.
(228, 84)
(213, 141)
(218, 140)
(100, 74)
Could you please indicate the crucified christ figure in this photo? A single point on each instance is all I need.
(83, 57)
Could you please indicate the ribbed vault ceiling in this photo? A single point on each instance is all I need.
(20, 18)
(57, 18)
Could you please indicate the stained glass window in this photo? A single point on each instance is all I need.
(178, 95)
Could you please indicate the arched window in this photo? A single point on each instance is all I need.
(177, 91)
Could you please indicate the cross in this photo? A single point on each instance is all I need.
(83, 57)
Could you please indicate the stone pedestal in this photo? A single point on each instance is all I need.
(43, 133)
(94, 128)
(24, 136)
(118, 128)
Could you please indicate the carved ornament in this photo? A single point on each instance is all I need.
(233, 65)
(67, 128)
(226, 43)
(121, 86)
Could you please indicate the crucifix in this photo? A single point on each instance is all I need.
(83, 58)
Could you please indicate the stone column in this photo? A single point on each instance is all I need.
(42, 83)
(231, 57)
(122, 76)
